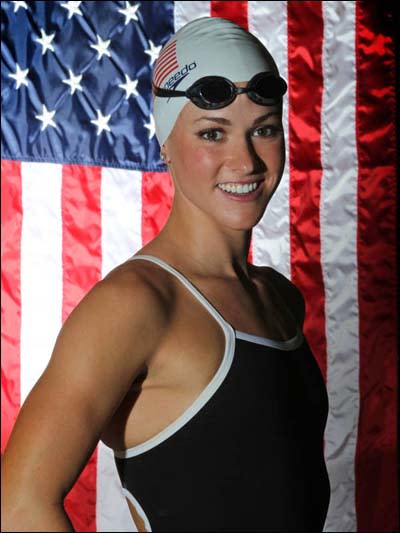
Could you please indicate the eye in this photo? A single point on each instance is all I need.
(267, 131)
(211, 135)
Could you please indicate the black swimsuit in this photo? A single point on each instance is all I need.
(247, 455)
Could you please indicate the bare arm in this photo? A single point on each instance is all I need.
(102, 347)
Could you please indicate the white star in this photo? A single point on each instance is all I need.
(45, 41)
(73, 82)
(153, 52)
(151, 127)
(17, 5)
(101, 47)
(73, 8)
(129, 87)
(101, 122)
(129, 12)
(46, 118)
(19, 76)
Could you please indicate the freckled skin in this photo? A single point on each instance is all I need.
(239, 152)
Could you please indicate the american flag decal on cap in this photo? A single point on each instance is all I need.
(166, 63)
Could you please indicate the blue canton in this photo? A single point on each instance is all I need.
(76, 81)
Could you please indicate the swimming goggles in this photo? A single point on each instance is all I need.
(214, 92)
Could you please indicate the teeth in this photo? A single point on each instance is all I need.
(238, 189)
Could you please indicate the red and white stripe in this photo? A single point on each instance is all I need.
(166, 63)
(11, 229)
(81, 267)
(268, 22)
(338, 228)
(376, 462)
(330, 227)
(41, 268)
(121, 222)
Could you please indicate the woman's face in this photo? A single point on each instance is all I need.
(242, 143)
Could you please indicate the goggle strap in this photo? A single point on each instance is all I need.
(191, 91)
(159, 91)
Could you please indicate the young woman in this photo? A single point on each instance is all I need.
(187, 360)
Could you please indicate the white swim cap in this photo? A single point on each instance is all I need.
(207, 46)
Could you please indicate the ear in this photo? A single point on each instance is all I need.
(163, 153)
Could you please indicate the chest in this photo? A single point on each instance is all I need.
(191, 354)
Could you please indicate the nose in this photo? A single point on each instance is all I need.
(243, 159)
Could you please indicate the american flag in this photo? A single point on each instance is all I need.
(166, 63)
(83, 189)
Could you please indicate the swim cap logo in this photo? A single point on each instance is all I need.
(167, 62)
(173, 82)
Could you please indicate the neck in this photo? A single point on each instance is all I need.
(204, 247)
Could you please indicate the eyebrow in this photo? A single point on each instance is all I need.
(225, 121)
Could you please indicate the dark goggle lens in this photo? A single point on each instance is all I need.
(268, 88)
(264, 89)
(216, 92)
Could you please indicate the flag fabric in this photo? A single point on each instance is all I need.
(83, 188)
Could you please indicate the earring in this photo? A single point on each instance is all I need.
(162, 156)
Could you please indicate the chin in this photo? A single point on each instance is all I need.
(240, 225)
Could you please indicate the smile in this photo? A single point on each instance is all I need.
(238, 188)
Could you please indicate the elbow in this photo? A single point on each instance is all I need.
(13, 511)
(28, 509)
(33, 516)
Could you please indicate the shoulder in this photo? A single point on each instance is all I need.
(134, 290)
(127, 311)
(287, 290)
(138, 281)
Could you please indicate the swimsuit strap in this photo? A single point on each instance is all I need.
(189, 285)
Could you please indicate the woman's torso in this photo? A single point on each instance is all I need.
(190, 356)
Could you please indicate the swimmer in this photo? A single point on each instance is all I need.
(187, 360)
